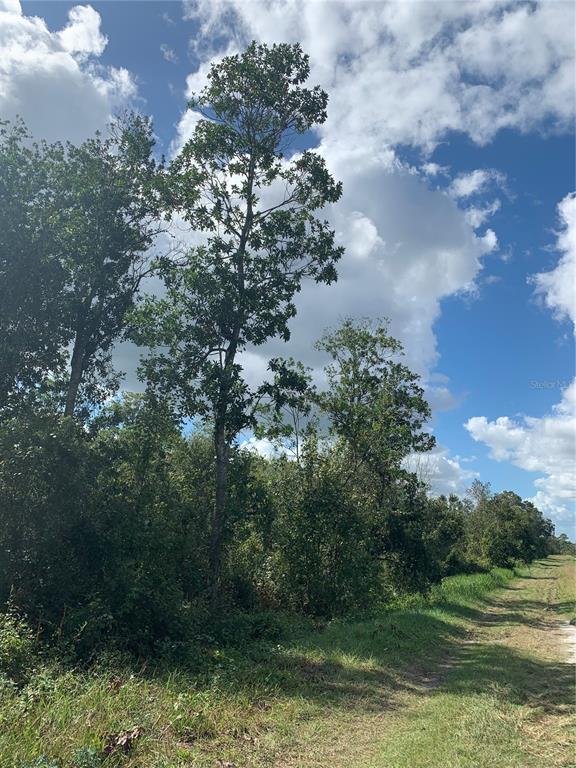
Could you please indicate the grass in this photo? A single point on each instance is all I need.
(404, 688)
(508, 698)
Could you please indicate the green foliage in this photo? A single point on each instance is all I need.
(32, 278)
(45, 479)
(18, 648)
(445, 534)
(374, 402)
(108, 206)
(87, 757)
(105, 532)
(503, 530)
(43, 762)
(322, 556)
(95, 528)
(76, 223)
(139, 524)
(84, 757)
(560, 545)
(256, 209)
(468, 588)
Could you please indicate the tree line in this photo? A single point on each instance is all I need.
(126, 517)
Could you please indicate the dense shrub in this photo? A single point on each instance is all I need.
(18, 648)
(104, 534)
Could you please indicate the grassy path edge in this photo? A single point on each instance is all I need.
(332, 697)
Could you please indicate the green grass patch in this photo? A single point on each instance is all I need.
(255, 702)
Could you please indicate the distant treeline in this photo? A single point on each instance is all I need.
(116, 529)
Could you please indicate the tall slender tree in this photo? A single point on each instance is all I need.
(236, 182)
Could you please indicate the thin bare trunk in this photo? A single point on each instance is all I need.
(76, 370)
(219, 510)
(221, 444)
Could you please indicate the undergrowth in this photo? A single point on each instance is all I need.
(240, 692)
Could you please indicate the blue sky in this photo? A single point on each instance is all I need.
(451, 126)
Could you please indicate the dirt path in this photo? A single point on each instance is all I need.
(530, 613)
(502, 695)
(506, 695)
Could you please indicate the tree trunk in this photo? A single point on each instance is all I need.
(217, 528)
(221, 443)
(76, 370)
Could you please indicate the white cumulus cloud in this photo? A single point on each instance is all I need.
(409, 72)
(475, 182)
(10, 6)
(545, 445)
(53, 80)
(82, 33)
(443, 474)
(558, 287)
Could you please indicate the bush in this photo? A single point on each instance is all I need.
(104, 538)
(18, 650)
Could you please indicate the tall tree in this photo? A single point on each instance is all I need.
(108, 209)
(374, 402)
(254, 204)
(32, 328)
(377, 413)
